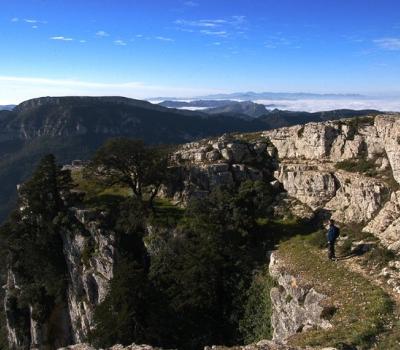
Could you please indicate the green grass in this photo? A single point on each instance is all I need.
(363, 166)
(166, 213)
(249, 137)
(96, 194)
(362, 309)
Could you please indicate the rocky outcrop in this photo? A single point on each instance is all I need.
(301, 165)
(296, 307)
(386, 224)
(357, 198)
(330, 141)
(262, 345)
(89, 250)
(308, 165)
(85, 346)
(90, 255)
(201, 166)
(388, 128)
(306, 183)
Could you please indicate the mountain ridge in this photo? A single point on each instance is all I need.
(74, 127)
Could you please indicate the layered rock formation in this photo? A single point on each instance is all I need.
(302, 164)
(310, 156)
(202, 166)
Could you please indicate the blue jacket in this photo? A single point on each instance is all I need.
(333, 233)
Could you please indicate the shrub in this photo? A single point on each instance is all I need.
(256, 323)
(364, 166)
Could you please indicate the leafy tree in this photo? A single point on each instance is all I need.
(256, 322)
(33, 241)
(205, 270)
(130, 163)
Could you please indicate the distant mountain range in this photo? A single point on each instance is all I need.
(7, 107)
(243, 109)
(253, 96)
(74, 127)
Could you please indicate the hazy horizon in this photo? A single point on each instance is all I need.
(186, 48)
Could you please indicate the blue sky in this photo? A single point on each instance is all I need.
(185, 48)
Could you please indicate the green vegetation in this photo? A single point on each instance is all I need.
(256, 322)
(195, 286)
(183, 278)
(362, 308)
(363, 166)
(129, 163)
(33, 243)
(166, 214)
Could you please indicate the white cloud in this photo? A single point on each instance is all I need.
(120, 42)
(16, 89)
(221, 33)
(15, 19)
(317, 105)
(34, 21)
(102, 34)
(61, 38)
(35, 27)
(209, 23)
(82, 41)
(391, 44)
(217, 43)
(139, 35)
(162, 38)
(191, 3)
(223, 27)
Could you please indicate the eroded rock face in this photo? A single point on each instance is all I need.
(90, 256)
(85, 346)
(357, 198)
(388, 128)
(386, 224)
(262, 345)
(204, 165)
(307, 165)
(330, 141)
(295, 307)
(89, 250)
(310, 186)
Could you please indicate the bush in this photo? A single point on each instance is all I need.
(256, 323)
(363, 166)
(379, 257)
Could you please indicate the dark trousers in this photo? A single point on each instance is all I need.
(331, 250)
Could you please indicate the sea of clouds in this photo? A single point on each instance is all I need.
(317, 105)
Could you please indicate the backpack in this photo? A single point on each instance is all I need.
(337, 232)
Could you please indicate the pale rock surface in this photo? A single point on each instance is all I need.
(296, 307)
(204, 165)
(309, 185)
(388, 128)
(357, 198)
(89, 279)
(386, 224)
(87, 286)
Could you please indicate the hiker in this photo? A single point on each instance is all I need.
(333, 234)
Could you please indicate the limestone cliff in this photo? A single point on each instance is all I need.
(310, 167)
(306, 167)
(89, 251)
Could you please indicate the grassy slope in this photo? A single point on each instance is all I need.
(363, 309)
